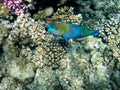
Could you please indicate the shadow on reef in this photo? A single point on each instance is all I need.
(42, 4)
(1, 50)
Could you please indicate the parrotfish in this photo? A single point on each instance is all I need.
(70, 31)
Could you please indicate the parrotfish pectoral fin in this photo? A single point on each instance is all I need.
(66, 39)
(95, 33)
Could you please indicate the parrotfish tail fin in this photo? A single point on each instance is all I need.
(95, 33)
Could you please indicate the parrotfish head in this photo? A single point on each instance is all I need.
(50, 27)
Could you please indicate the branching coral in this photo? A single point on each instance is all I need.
(35, 43)
(111, 34)
(16, 6)
(4, 11)
(66, 14)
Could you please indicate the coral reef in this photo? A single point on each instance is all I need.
(111, 34)
(20, 70)
(63, 14)
(10, 83)
(3, 33)
(4, 11)
(33, 42)
(33, 59)
(98, 9)
(16, 6)
(66, 14)
(45, 80)
(43, 14)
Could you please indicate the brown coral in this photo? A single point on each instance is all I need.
(4, 11)
(35, 43)
(66, 14)
(111, 35)
(3, 33)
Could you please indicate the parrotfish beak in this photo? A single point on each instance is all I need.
(47, 27)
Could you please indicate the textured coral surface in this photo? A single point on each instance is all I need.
(31, 58)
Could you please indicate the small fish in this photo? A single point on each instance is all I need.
(70, 31)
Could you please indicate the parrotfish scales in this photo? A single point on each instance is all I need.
(70, 31)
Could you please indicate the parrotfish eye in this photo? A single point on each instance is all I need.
(52, 25)
(48, 26)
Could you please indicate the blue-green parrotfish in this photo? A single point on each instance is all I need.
(70, 31)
